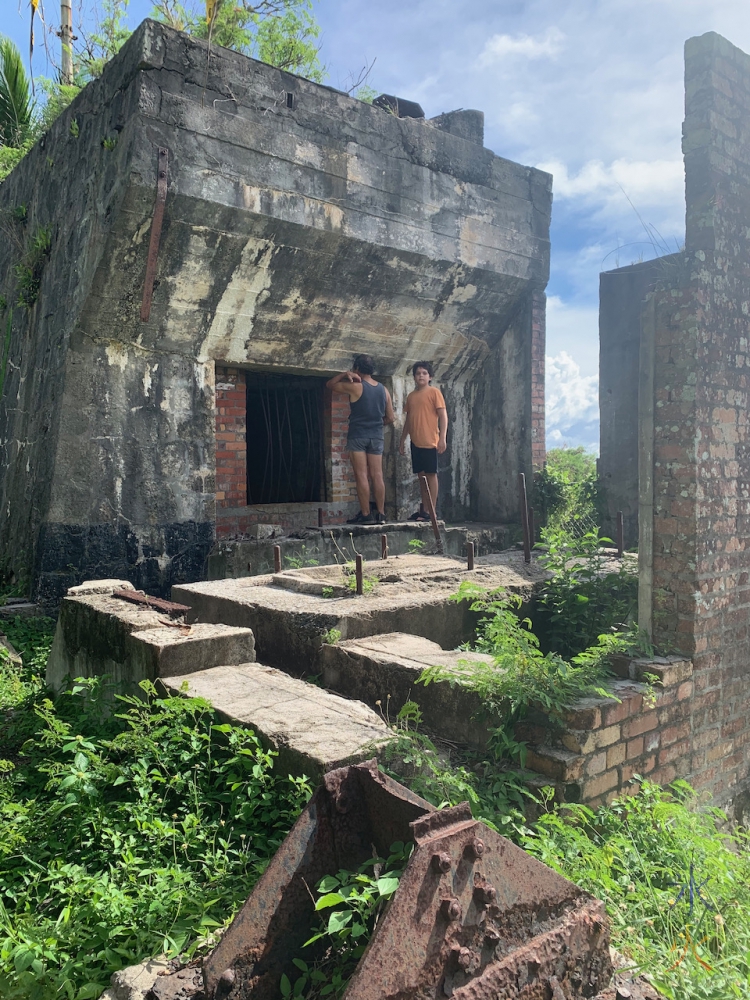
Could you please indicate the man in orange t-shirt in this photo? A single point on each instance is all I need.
(427, 425)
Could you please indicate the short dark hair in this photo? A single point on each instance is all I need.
(422, 364)
(363, 363)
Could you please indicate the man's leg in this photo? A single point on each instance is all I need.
(359, 464)
(375, 468)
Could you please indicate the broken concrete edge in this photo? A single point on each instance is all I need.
(98, 635)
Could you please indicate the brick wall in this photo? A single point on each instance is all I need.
(700, 331)
(601, 744)
(234, 518)
(538, 347)
(231, 428)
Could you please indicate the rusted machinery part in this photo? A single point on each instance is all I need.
(356, 809)
(157, 603)
(474, 916)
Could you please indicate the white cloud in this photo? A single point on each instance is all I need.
(571, 398)
(649, 181)
(573, 331)
(500, 47)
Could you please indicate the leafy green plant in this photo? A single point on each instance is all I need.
(128, 835)
(302, 560)
(584, 598)
(675, 882)
(74, 129)
(29, 270)
(16, 100)
(109, 142)
(348, 907)
(332, 636)
(327, 592)
(416, 545)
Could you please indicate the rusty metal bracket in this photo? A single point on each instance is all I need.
(157, 603)
(156, 223)
(474, 916)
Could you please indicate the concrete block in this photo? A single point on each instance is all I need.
(313, 730)
(98, 635)
(134, 982)
(386, 668)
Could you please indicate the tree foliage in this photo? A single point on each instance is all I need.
(16, 102)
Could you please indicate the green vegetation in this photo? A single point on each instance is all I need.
(566, 491)
(29, 269)
(347, 908)
(121, 838)
(589, 592)
(676, 885)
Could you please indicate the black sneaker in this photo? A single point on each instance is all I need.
(379, 518)
(360, 518)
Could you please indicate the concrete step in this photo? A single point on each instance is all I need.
(289, 626)
(100, 635)
(313, 730)
(386, 668)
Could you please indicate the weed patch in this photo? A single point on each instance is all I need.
(123, 838)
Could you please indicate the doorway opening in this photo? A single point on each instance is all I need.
(285, 439)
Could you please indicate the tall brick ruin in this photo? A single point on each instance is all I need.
(683, 335)
(301, 226)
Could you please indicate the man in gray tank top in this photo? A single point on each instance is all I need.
(370, 409)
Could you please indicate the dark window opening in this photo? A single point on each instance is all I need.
(285, 457)
(290, 100)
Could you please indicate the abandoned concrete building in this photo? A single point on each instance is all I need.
(222, 236)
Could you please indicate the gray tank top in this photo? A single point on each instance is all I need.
(366, 414)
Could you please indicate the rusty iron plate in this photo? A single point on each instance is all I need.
(157, 603)
(474, 916)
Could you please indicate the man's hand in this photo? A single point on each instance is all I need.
(442, 445)
(402, 447)
(353, 377)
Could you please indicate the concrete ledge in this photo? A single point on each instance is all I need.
(312, 730)
(98, 635)
(386, 668)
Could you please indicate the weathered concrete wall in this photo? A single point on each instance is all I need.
(622, 292)
(293, 237)
(695, 508)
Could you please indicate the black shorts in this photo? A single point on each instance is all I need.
(423, 459)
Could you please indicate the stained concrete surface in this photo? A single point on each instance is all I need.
(289, 627)
(313, 730)
(386, 668)
(100, 635)
(293, 237)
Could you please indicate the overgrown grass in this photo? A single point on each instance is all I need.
(126, 835)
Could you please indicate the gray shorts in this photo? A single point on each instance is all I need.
(371, 446)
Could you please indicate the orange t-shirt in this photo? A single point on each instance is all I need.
(422, 406)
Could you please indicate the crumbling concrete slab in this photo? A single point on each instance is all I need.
(312, 729)
(100, 635)
(386, 668)
(289, 627)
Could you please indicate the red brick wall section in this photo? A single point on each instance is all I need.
(603, 744)
(538, 347)
(231, 429)
(343, 490)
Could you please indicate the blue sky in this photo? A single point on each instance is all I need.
(591, 90)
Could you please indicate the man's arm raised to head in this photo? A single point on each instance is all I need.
(348, 383)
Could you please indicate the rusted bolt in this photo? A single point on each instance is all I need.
(464, 958)
(227, 977)
(475, 848)
(441, 862)
(492, 935)
(451, 908)
(485, 894)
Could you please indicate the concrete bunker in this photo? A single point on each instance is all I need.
(294, 234)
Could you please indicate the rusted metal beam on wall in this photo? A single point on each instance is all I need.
(162, 171)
